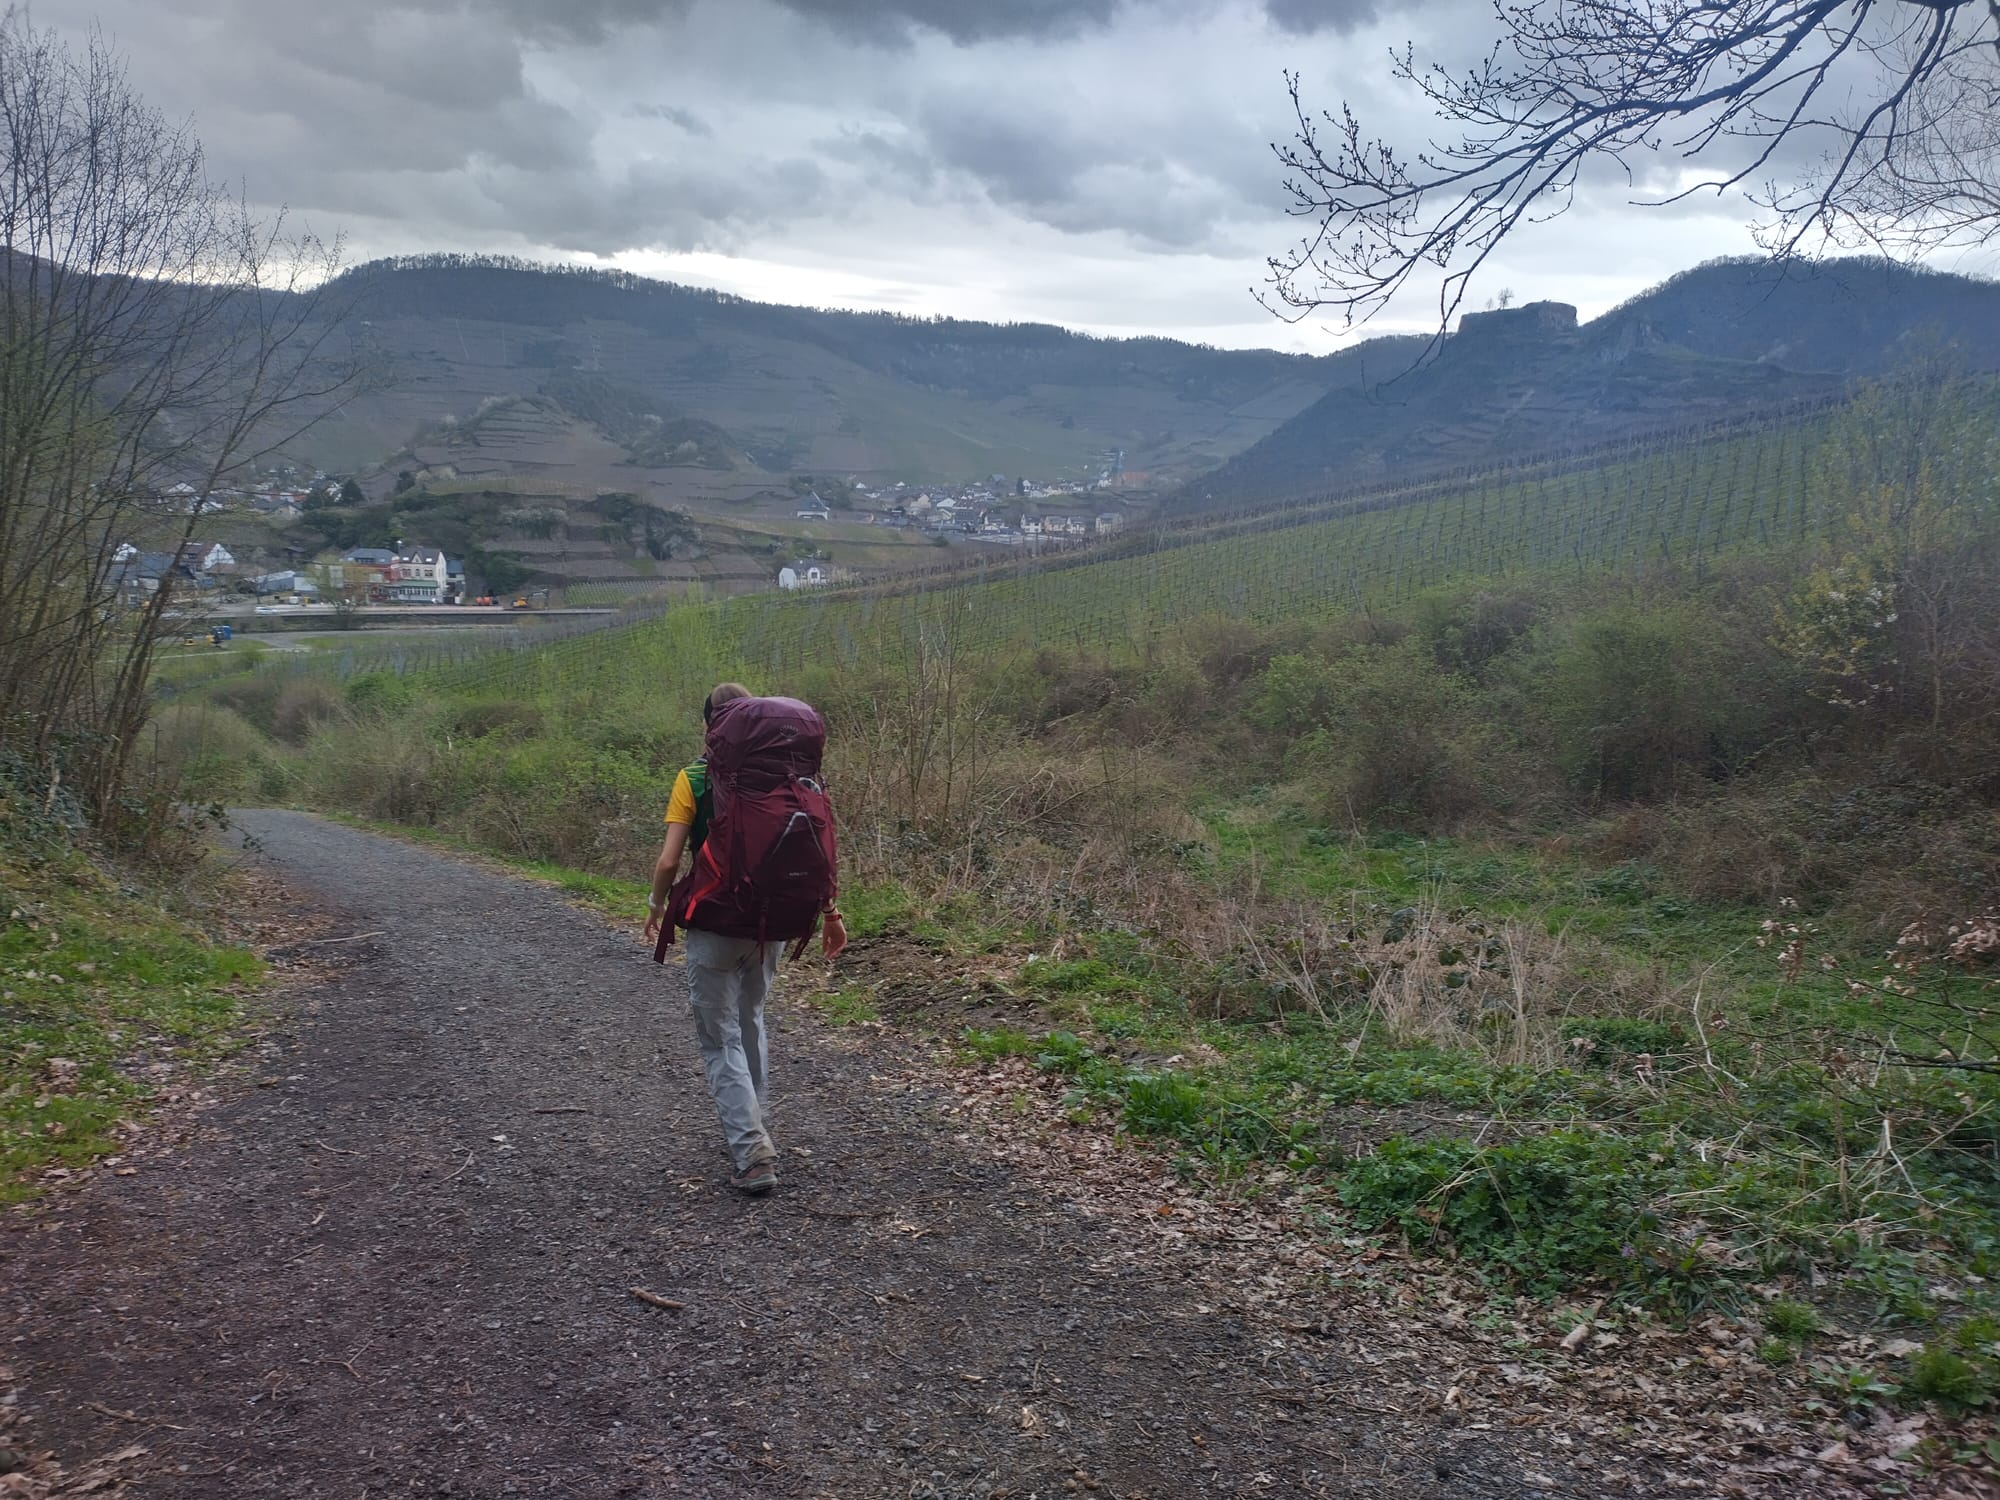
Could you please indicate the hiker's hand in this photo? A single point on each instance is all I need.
(652, 925)
(833, 936)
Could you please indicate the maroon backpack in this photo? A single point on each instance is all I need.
(766, 869)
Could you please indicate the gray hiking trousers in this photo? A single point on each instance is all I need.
(728, 980)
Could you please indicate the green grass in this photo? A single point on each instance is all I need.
(97, 986)
(1668, 1184)
(1685, 505)
(850, 1005)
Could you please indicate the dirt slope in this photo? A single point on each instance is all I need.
(397, 1260)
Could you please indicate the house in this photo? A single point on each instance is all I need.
(357, 580)
(289, 581)
(141, 573)
(416, 576)
(454, 578)
(283, 506)
(207, 557)
(805, 574)
(1110, 520)
(1031, 526)
(379, 557)
(814, 509)
(185, 499)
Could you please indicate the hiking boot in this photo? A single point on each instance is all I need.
(758, 1177)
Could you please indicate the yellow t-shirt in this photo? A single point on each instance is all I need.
(680, 805)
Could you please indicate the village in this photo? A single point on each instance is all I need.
(410, 576)
(282, 573)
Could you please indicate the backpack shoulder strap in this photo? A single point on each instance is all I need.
(704, 802)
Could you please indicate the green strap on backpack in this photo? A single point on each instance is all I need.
(704, 804)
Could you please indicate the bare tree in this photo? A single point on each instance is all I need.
(1721, 84)
(154, 337)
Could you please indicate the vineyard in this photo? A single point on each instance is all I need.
(1679, 501)
(1682, 504)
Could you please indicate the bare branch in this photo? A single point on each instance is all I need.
(1720, 85)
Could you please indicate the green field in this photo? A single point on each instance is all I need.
(1684, 507)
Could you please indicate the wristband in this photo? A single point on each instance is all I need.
(657, 908)
(833, 914)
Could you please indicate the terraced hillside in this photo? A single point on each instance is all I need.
(780, 391)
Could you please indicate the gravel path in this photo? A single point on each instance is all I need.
(398, 1261)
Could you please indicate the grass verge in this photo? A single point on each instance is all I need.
(105, 998)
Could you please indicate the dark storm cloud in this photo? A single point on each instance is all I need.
(1039, 138)
(1167, 189)
(1310, 17)
(964, 21)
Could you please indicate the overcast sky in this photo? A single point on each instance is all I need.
(1103, 164)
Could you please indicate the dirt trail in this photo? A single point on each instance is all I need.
(396, 1261)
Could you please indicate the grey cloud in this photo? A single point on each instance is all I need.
(673, 114)
(656, 205)
(1023, 162)
(606, 126)
(1179, 194)
(1310, 17)
(898, 163)
(570, 20)
(963, 21)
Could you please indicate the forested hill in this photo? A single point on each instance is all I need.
(990, 360)
(1717, 343)
(1845, 317)
(799, 390)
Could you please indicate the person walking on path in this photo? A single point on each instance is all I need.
(755, 819)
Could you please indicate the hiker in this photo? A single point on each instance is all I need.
(755, 818)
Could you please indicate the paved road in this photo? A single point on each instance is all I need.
(396, 1269)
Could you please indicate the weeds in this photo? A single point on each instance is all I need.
(100, 995)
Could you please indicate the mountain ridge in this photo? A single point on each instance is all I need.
(1717, 340)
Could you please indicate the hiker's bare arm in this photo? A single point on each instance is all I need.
(668, 866)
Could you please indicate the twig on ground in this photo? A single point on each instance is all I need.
(561, 1109)
(1342, 1401)
(336, 1150)
(461, 1171)
(654, 1299)
(354, 937)
(843, 1213)
(130, 1416)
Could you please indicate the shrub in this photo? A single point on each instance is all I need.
(1550, 1210)
(1939, 1374)
(1469, 631)
(1637, 697)
(384, 692)
(1396, 739)
(387, 768)
(207, 753)
(1295, 695)
(1793, 1321)
(502, 717)
(303, 704)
